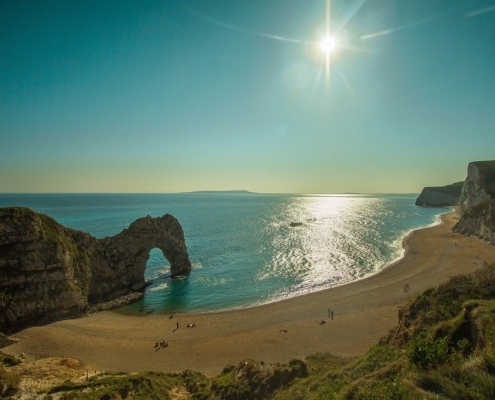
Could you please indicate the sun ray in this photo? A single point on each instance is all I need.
(478, 12)
(247, 31)
(347, 84)
(412, 24)
(350, 14)
(329, 6)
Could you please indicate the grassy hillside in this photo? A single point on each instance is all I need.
(442, 348)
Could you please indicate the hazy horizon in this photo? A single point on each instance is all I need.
(177, 96)
(226, 191)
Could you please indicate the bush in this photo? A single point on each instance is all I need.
(427, 352)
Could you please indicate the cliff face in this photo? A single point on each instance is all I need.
(477, 202)
(48, 271)
(440, 196)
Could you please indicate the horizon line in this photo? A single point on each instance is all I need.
(219, 191)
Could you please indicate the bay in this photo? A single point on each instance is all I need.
(243, 249)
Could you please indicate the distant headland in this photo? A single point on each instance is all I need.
(440, 196)
(223, 192)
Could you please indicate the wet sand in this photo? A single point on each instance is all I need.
(364, 311)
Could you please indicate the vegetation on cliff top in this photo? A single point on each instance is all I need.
(442, 348)
(453, 189)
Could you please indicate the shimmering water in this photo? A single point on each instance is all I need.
(243, 250)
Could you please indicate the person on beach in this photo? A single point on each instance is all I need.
(191, 325)
(171, 316)
(328, 312)
(283, 330)
(331, 312)
(177, 325)
(322, 322)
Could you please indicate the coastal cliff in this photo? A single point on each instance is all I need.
(440, 196)
(477, 202)
(49, 272)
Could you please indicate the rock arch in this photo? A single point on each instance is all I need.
(48, 271)
(125, 255)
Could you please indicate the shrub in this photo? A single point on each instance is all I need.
(428, 352)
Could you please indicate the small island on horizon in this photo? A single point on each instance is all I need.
(222, 192)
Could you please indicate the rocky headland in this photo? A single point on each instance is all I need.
(49, 272)
(477, 202)
(440, 196)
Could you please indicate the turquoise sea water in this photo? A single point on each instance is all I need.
(242, 247)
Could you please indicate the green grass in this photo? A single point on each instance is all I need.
(454, 189)
(145, 385)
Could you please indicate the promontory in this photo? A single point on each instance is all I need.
(49, 272)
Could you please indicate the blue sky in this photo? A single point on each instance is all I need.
(172, 96)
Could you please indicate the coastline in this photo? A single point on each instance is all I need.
(131, 309)
(364, 311)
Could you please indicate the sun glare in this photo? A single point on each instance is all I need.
(328, 45)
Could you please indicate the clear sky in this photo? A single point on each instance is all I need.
(172, 96)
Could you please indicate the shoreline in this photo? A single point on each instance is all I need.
(364, 311)
(128, 310)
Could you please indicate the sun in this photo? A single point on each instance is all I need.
(328, 45)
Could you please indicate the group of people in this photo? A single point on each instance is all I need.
(321, 322)
(188, 325)
(162, 343)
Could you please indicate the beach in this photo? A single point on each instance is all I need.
(363, 312)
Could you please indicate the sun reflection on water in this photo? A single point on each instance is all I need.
(334, 244)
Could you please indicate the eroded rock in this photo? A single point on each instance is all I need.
(48, 271)
(477, 203)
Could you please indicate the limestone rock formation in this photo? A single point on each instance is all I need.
(440, 196)
(477, 202)
(48, 271)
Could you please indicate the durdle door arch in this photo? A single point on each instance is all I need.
(48, 271)
(119, 266)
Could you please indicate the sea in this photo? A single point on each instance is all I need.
(243, 249)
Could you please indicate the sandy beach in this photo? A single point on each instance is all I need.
(364, 311)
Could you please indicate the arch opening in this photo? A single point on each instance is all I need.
(157, 266)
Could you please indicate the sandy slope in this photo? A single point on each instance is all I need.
(363, 312)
